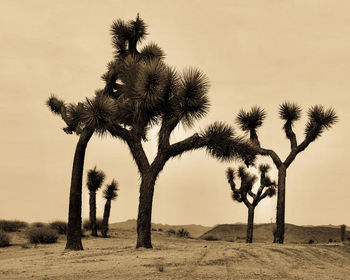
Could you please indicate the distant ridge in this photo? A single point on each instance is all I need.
(264, 233)
(194, 230)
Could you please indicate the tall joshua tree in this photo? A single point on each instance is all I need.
(95, 180)
(109, 193)
(149, 92)
(267, 189)
(319, 120)
(94, 115)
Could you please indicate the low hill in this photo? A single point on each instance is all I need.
(194, 230)
(264, 233)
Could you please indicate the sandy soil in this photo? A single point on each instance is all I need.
(173, 258)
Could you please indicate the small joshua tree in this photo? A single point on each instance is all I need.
(342, 232)
(109, 193)
(319, 120)
(267, 189)
(95, 180)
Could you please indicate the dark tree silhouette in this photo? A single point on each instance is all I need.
(267, 188)
(148, 92)
(319, 120)
(109, 193)
(84, 119)
(95, 180)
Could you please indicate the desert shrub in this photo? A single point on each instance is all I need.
(38, 224)
(183, 233)
(210, 238)
(154, 229)
(311, 241)
(87, 226)
(59, 226)
(4, 239)
(330, 240)
(160, 229)
(171, 231)
(42, 235)
(12, 225)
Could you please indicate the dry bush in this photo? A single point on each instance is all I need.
(171, 232)
(59, 226)
(182, 233)
(4, 239)
(12, 225)
(42, 235)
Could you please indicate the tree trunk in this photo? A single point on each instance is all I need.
(74, 215)
(280, 216)
(250, 224)
(145, 210)
(93, 213)
(106, 213)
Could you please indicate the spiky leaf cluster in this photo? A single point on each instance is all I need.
(95, 114)
(319, 119)
(221, 142)
(110, 192)
(126, 35)
(193, 102)
(95, 179)
(152, 51)
(289, 112)
(56, 105)
(251, 120)
(264, 168)
(247, 179)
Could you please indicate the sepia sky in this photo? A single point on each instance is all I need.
(260, 52)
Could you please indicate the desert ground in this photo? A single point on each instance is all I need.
(172, 258)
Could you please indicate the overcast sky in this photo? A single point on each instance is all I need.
(253, 52)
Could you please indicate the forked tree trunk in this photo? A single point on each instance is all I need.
(106, 213)
(145, 210)
(250, 224)
(74, 215)
(282, 173)
(93, 213)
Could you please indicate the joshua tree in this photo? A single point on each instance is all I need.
(85, 118)
(319, 120)
(148, 92)
(267, 189)
(342, 232)
(109, 193)
(95, 180)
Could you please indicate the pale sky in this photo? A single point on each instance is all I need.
(254, 53)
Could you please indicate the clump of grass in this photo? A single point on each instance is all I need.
(4, 239)
(171, 232)
(59, 226)
(12, 225)
(43, 235)
(182, 233)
